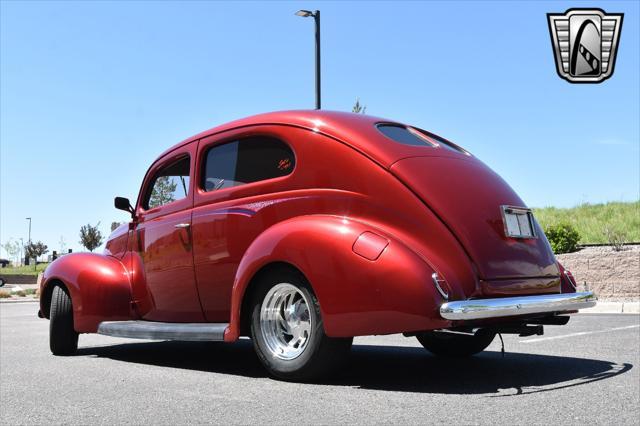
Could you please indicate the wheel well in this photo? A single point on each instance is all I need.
(46, 296)
(252, 287)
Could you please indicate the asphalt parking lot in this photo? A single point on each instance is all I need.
(585, 372)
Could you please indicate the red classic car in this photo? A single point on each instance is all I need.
(303, 229)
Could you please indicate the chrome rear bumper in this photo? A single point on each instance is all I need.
(511, 306)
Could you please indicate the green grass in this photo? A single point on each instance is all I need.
(24, 270)
(592, 220)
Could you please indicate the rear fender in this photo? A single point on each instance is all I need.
(98, 285)
(357, 296)
(568, 282)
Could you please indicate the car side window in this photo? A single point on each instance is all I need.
(244, 161)
(171, 183)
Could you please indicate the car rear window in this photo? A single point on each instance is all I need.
(416, 137)
(441, 142)
(403, 135)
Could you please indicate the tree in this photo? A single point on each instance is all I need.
(12, 248)
(162, 192)
(114, 226)
(90, 236)
(359, 108)
(35, 250)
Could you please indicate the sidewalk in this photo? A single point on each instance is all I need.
(18, 287)
(604, 307)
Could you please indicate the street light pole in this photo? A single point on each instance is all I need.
(29, 219)
(26, 261)
(316, 18)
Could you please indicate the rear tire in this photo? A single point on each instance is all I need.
(63, 339)
(455, 345)
(287, 330)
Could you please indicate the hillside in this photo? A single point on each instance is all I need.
(593, 220)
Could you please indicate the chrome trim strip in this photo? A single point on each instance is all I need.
(511, 306)
(570, 279)
(164, 330)
(436, 282)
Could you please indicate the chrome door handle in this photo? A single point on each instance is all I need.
(183, 225)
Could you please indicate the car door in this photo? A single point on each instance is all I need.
(163, 239)
(241, 177)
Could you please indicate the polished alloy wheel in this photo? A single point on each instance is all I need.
(285, 321)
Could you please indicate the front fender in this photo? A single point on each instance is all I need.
(98, 285)
(358, 296)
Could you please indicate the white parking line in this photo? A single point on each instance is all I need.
(579, 334)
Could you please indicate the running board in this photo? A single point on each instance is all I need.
(164, 330)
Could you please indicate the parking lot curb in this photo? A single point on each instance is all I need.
(26, 300)
(604, 307)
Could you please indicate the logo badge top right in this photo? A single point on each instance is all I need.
(585, 43)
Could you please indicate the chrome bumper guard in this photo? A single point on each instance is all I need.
(512, 306)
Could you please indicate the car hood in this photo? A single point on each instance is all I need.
(467, 196)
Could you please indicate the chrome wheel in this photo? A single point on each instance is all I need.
(285, 321)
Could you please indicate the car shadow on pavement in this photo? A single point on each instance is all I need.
(389, 368)
(213, 357)
(412, 369)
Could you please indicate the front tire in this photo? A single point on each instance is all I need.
(455, 345)
(287, 330)
(63, 339)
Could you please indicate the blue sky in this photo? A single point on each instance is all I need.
(92, 92)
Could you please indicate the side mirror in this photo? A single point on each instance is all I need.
(122, 203)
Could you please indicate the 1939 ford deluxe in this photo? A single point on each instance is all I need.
(303, 229)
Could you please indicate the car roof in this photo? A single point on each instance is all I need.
(357, 130)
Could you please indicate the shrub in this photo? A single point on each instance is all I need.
(4, 294)
(562, 237)
(615, 237)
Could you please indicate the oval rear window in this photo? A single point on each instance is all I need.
(441, 142)
(417, 137)
(403, 135)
